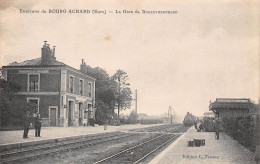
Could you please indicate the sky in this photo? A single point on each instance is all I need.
(208, 50)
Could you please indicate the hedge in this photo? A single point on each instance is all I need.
(243, 129)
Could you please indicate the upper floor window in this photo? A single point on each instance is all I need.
(71, 84)
(33, 82)
(89, 89)
(81, 87)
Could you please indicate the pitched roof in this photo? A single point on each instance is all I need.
(37, 62)
(234, 104)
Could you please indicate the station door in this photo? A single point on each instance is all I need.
(53, 117)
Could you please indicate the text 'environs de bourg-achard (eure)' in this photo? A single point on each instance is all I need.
(95, 11)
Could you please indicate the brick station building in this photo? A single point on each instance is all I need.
(64, 96)
(226, 107)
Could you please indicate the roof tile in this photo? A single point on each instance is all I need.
(37, 62)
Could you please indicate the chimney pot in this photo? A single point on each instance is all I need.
(46, 54)
(53, 52)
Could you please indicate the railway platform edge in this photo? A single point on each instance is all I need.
(225, 150)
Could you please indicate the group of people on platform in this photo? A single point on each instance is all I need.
(216, 126)
(28, 124)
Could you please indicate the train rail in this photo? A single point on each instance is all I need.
(132, 146)
(170, 128)
(139, 152)
(28, 153)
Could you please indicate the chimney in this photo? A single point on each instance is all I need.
(53, 53)
(46, 54)
(83, 66)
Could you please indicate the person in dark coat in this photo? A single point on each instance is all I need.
(38, 125)
(217, 127)
(26, 124)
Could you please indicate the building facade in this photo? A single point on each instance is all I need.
(64, 96)
(225, 107)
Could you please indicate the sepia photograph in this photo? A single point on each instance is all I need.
(126, 81)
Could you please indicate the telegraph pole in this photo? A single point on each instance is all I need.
(136, 101)
(170, 113)
(119, 99)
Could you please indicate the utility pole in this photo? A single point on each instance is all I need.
(119, 99)
(168, 117)
(136, 101)
(170, 113)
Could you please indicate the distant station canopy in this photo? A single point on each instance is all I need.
(226, 107)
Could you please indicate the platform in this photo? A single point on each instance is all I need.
(225, 150)
(49, 133)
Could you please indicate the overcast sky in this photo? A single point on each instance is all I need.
(208, 50)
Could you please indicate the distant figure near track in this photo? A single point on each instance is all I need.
(217, 127)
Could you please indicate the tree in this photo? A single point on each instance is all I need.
(102, 114)
(132, 119)
(104, 94)
(12, 109)
(7, 91)
(111, 92)
(122, 91)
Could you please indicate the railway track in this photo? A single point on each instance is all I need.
(139, 149)
(31, 152)
(139, 152)
(169, 128)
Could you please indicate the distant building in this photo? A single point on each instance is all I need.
(225, 107)
(209, 114)
(64, 96)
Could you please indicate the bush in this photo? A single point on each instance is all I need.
(132, 119)
(243, 129)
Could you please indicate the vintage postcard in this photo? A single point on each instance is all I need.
(121, 81)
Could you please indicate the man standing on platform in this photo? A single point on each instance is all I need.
(38, 125)
(26, 124)
(217, 127)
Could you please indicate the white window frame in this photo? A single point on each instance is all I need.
(72, 84)
(35, 98)
(82, 86)
(28, 82)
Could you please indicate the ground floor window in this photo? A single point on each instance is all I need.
(35, 103)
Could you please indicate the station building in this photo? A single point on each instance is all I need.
(64, 96)
(226, 107)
